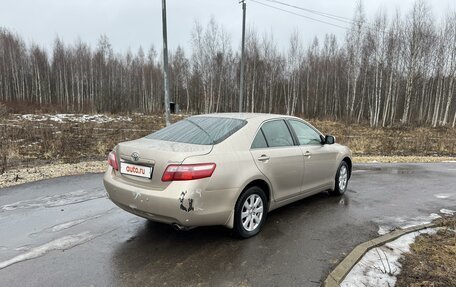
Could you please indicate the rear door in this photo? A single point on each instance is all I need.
(278, 158)
(319, 158)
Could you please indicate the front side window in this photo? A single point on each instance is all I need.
(305, 134)
(277, 133)
(199, 130)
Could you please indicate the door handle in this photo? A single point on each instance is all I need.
(307, 154)
(263, 157)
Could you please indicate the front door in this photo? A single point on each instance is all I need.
(319, 158)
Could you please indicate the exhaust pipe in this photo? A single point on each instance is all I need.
(179, 227)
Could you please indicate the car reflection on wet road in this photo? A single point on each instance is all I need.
(65, 231)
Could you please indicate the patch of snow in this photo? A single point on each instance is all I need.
(80, 118)
(379, 266)
(62, 243)
(22, 248)
(55, 200)
(443, 195)
(382, 230)
(67, 225)
(32, 118)
(388, 224)
(57, 118)
(449, 161)
(429, 219)
(447, 211)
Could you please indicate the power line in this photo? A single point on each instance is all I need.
(324, 14)
(300, 15)
(366, 25)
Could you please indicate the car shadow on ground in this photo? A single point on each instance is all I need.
(160, 251)
(154, 231)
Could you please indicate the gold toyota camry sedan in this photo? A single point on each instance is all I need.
(225, 169)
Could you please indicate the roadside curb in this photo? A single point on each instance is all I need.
(343, 268)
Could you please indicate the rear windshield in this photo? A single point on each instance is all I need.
(199, 130)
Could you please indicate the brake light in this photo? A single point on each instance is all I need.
(112, 161)
(188, 171)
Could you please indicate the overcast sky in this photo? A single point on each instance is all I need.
(135, 23)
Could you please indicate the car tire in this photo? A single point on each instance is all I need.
(250, 212)
(341, 180)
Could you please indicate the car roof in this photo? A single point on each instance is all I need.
(245, 116)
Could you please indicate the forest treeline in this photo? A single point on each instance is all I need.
(389, 70)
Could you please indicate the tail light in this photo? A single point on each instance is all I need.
(112, 160)
(188, 171)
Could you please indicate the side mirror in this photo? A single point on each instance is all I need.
(330, 140)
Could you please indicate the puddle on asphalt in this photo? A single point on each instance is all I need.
(362, 169)
(390, 169)
(69, 224)
(344, 201)
(388, 224)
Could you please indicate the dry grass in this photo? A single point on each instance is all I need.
(432, 259)
(394, 141)
(3, 110)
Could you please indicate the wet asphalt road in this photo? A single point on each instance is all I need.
(72, 235)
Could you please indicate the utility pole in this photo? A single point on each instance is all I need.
(165, 63)
(241, 84)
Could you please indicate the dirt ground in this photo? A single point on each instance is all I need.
(432, 259)
(17, 176)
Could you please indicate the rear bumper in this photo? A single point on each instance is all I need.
(187, 203)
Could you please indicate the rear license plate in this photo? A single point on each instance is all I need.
(136, 170)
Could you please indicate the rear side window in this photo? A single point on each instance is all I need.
(277, 134)
(199, 130)
(259, 141)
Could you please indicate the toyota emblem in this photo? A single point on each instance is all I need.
(135, 156)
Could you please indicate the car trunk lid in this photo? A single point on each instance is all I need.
(155, 154)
